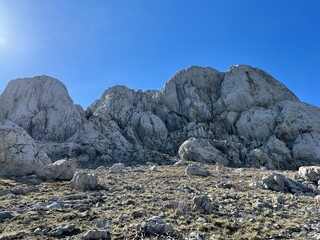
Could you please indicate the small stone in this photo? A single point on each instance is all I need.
(99, 204)
(117, 168)
(256, 185)
(278, 200)
(194, 236)
(97, 234)
(156, 226)
(54, 205)
(196, 170)
(5, 215)
(203, 204)
(180, 163)
(102, 223)
(64, 229)
(137, 214)
(37, 231)
(153, 168)
(224, 185)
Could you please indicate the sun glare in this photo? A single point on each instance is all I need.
(3, 40)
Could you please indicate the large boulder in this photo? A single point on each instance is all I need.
(42, 106)
(84, 181)
(201, 150)
(19, 154)
(311, 173)
(280, 183)
(60, 170)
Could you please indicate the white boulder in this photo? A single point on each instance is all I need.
(19, 154)
(84, 181)
(60, 170)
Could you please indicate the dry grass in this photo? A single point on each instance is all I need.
(151, 192)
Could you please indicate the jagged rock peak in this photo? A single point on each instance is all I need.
(42, 106)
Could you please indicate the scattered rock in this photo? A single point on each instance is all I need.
(5, 215)
(280, 183)
(97, 234)
(24, 190)
(102, 223)
(224, 185)
(137, 214)
(196, 170)
(194, 236)
(203, 204)
(64, 230)
(156, 226)
(117, 168)
(84, 181)
(278, 199)
(256, 185)
(181, 163)
(153, 168)
(311, 173)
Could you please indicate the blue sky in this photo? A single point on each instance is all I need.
(93, 45)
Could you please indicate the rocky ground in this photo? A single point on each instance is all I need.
(224, 205)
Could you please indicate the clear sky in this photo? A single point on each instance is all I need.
(91, 45)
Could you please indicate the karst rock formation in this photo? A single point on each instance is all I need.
(240, 118)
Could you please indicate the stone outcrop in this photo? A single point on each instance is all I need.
(42, 106)
(19, 154)
(240, 118)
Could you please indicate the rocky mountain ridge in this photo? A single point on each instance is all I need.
(240, 118)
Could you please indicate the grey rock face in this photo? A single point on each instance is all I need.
(84, 181)
(240, 118)
(19, 154)
(41, 106)
(245, 87)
